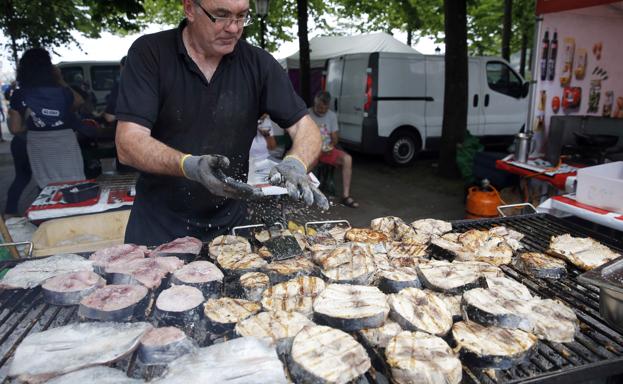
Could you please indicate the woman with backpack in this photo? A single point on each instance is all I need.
(44, 108)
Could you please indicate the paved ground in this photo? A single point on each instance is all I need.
(413, 192)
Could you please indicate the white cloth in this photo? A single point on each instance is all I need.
(54, 156)
(259, 147)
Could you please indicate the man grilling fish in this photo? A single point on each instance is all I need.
(188, 106)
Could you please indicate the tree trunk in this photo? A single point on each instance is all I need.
(507, 29)
(9, 13)
(409, 36)
(523, 54)
(455, 88)
(303, 51)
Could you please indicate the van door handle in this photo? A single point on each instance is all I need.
(475, 103)
(358, 108)
(487, 100)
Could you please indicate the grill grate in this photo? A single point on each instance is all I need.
(597, 350)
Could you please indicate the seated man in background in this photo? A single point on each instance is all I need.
(327, 122)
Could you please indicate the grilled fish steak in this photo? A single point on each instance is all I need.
(474, 245)
(395, 279)
(365, 235)
(453, 303)
(224, 313)
(492, 347)
(455, 277)
(420, 310)
(202, 275)
(240, 263)
(163, 345)
(349, 264)
(541, 265)
(228, 245)
(148, 271)
(509, 288)
(180, 306)
(512, 237)
(57, 351)
(553, 321)
(276, 327)
(491, 307)
(417, 357)
(323, 354)
(254, 284)
(70, 288)
(406, 253)
(396, 229)
(30, 274)
(115, 303)
(245, 360)
(584, 253)
(284, 270)
(351, 307)
(380, 336)
(116, 254)
(297, 295)
(431, 227)
(95, 375)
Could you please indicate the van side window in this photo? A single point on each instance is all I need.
(501, 78)
(103, 77)
(73, 76)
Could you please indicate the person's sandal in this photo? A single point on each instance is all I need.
(350, 202)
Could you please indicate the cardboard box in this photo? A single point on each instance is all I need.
(601, 186)
(86, 233)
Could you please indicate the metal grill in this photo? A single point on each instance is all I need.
(596, 352)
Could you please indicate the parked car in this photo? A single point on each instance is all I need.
(100, 76)
(392, 103)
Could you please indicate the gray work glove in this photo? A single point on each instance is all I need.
(292, 174)
(208, 170)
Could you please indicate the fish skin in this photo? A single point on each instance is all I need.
(61, 350)
(95, 375)
(245, 360)
(30, 274)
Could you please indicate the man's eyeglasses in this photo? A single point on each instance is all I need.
(227, 21)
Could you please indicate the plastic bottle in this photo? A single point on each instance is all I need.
(551, 64)
(544, 55)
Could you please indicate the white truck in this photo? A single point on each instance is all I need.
(392, 103)
(99, 75)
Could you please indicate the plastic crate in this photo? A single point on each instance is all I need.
(601, 186)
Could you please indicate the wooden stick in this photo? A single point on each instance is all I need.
(4, 231)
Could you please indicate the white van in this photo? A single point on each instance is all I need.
(392, 103)
(99, 75)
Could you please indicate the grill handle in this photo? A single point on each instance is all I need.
(29, 243)
(234, 229)
(501, 208)
(309, 223)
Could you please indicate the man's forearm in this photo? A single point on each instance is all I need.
(136, 148)
(306, 141)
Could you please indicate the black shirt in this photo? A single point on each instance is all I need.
(162, 89)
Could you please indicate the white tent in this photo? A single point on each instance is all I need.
(325, 47)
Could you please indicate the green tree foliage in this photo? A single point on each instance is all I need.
(280, 21)
(50, 23)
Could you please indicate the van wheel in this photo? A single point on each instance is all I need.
(402, 148)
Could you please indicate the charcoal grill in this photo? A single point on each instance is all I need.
(596, 352)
